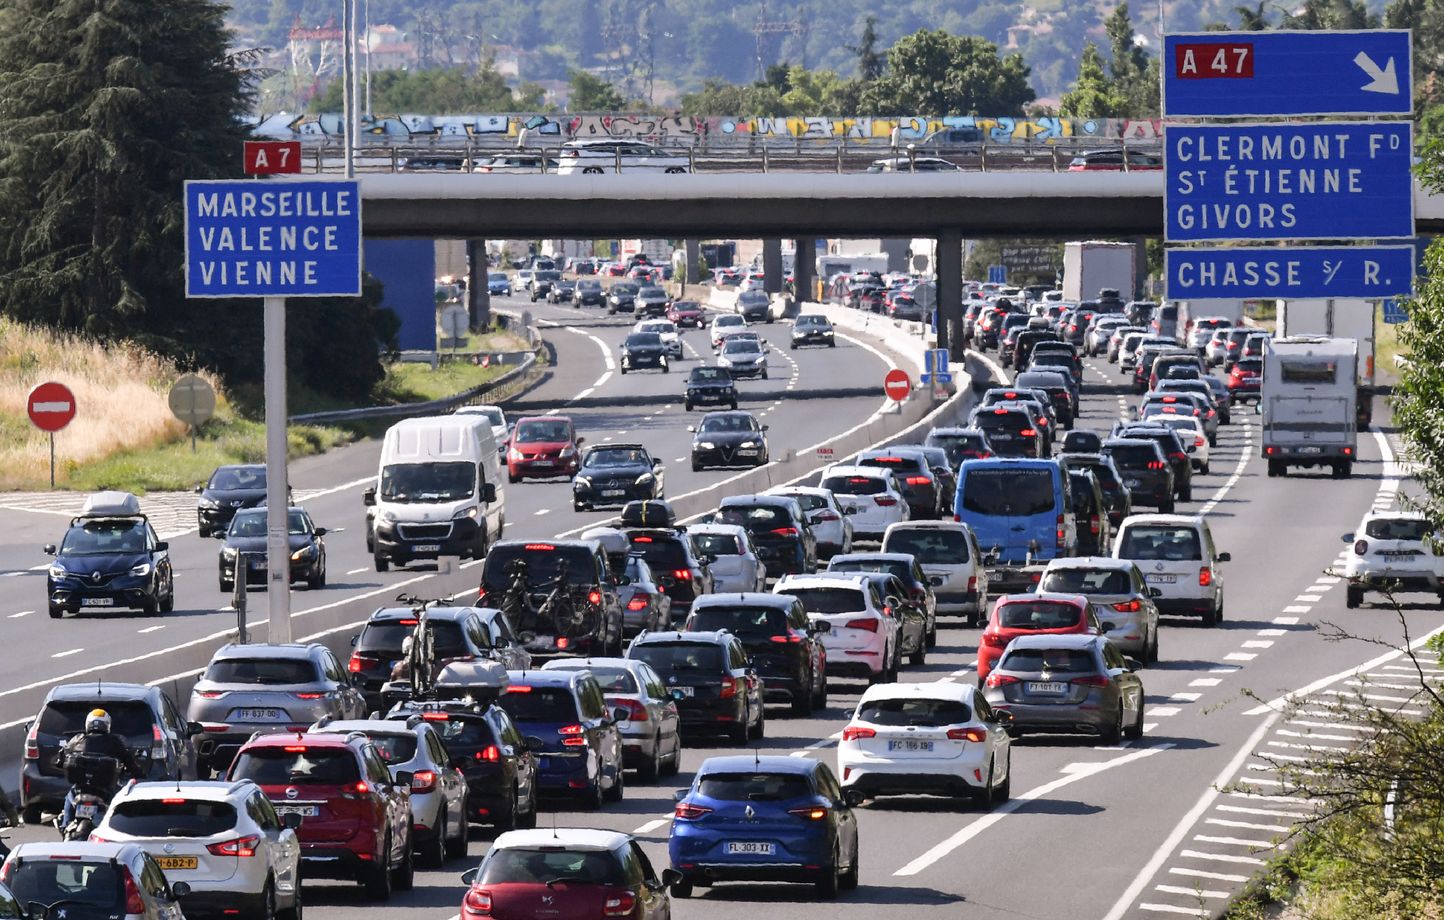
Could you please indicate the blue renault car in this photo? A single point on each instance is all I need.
(1021, 512)
(580, 755)
(764, 819)
(110, 559)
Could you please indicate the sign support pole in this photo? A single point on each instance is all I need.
(52, 459)
(278, 548)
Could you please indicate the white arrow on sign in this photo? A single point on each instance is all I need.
(1381, 81)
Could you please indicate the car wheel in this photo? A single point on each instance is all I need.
(933, 636)
(619, 786)
(1186, 493)
(457, 846)
(1135, 731)
(297, 910)
(405, 873)
(528, 820)
(1005, 792)
(435, 855)
(819, 698)
(649, 771)
(167, 603)
(733, 405)
(696, 467)
(377, 878)
(578, 506)
(920, 657)
(848, 882)
(1353, 597)
(317, 580)
(267, 905)
(826, 883)
(227, 585)
(1114, 732)
(1210, 619)
(738, 733)
(382, 563)
(1204, 469)
(150, 607)
(764, 373)
(1166, 507)
(687, 406)
(1152, 655)
(55, 614)
(802, 703)
(592, 796)
(623, 368)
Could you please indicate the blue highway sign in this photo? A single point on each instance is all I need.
(1243, 74)
(1255, 273)
(278, 238)
(1395, 312)
(1319, 181)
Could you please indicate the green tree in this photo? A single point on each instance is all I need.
(1252, 18)
(1331, 14)
(590, 93)
(870, 61)
(1093, 95)
(442, 91)
(934, 72)
(1135, 73)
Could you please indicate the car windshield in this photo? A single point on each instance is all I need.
(623, 287)
(611, 679)
(542, 561)
(1003, 420)
(427, 482)
(730, 319)
(686, 306)
(1086, 581)
(829, 600)
(394, 747)
(709, 374)
(172, 817)
(651, 291)
(253, 523)
(717, 544)
(756, 518)
(543, 431)
(235, 478)
(663, 553)
(67, 717)
(615, 456)
(1132, 456)
(296, 764)
(1162, 542)
(1037, 615)
(855, 485)
(643, 339)
(753, 787)
(1411, 529)
(550, 864)
(659, 327)
(741, 620)
(737, 345)
(811, 320)
(525, 703)
(262, 671)
(548, 276)
(89, 889)
(924, 713)
(100, 538)
(496, 276)
(808, 501)
(668, 657)
(1056, 660)
(1008, 492)
(899, 567)
(929, 546)
(587, 285)
(717, 424)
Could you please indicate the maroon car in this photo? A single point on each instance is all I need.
(685, 313)
(542, 447)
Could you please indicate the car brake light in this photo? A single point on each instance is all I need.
(133, 902)
(1028, 432)
(783, 532)
(884, 501)
(968, 734)
(1360, 548)
(787, 639)
(1177, 455)
(1198, 440)
(1093, 525)
(157, 743)
(1091, 680)
(993, 640)
(998, 680)
(423, 781)
(32, 743)
(641, 539)
(409, 621)
(572, 735)
(852, 733)
(729, 687)
(636, 712)
(518, 688)
(810, 812)
(619, 904)
(539, 547)
(686, 574)
(1348, 451)
(687, 811)
(309, 696)
(356, 665)
(210, 694)
(594, 597)
(478, 900)
(435, 717)
(827, 516)
(1205, 577)
(869, 625)
(241, 846)
(294, 749)
(639, 602)
(1156, 464)
(918, 480)
(1131, 606)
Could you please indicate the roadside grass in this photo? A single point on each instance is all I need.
(1386, 349)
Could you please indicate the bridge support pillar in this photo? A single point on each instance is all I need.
(1140, 268)
(949, 261)
(804, 270)
(772, 266)
(478, 292)
(693, 274)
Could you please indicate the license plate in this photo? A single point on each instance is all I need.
(685, 691)
(1161, 579)
(1053, 687)
(426, 548)
(750, 848)
(98, 602)
(1311, 450)
(613, 493)
(258, 715)
(176, 862)
(544, 463)
(86, 810)
(1396, 553)
(1133, 483)
(305, 811)
(909, 745)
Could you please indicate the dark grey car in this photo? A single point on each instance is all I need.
(261, 687)
(1070, 685)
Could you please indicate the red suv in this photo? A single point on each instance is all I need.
(356, 818)
(1031, 615)
(544, 447)
(1245, 380)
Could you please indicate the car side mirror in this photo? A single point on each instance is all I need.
(1347, 538)
(162, 545)
(581, 441)
(200, 487)
(1132, 664)
(469, 875)
(692, 428)
(853, 797)
(1224, 557)
(291, 820)
(680, 794)
(1002, 716)
(48, 549)
(488, 492)
(368, 498)
(403, 779)
(179, 890)
(621, 714)
(533, 743)
(820, 627)
(849, 510)
(677, 695)
(1105, 627)
(670, 877)
(320, 531)
(1155, 592)
(766, 427)
(194, 728)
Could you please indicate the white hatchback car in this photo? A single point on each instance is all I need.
(724, 325)
(223, 839)
(735, 565)
(1392, 550)
(825, 514)
(948, 552)
(869, 495)
(1176, 554)
(1191, 432)
(667, 331)
(861, 640)
(933, 738)
(608, 155)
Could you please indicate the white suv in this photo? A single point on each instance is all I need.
(869, 495)
(938, 738)
(1392, 551)
(825, 514)
(608, 155)
(1176, 555)
(223, 839)
(948, 552)
(861, 640)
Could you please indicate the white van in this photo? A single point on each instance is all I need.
(438, 491)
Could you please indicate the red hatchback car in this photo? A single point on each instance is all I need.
(685, 313)
(1245, 380)
(1017, 615)
(355, 817)
(542, 447)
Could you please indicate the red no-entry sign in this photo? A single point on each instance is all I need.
(51, 406)
(897, 385)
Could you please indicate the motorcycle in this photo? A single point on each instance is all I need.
(93, 779)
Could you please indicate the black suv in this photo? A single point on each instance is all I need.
(652, 301)
(785, 646)
(710, 386)
(919, 484)
(1059, 390)
(230, 487)
(110, 558)
(712, 679)
(1094, 539)
(622, 297)
(457, 634)
(1012, 430)
(491, 753)
(670, 555)
(558, 595)
(1174, 452)
(614, 474)
(755, 307)
(643, 349)
(144, 716)
(1145, 470)
(778, 528)
(1116, 497)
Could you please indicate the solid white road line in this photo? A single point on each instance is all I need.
(363, 568)
(1214, 876)
(1191, 892)
(68, 653)
(651, 826)
(23, 613)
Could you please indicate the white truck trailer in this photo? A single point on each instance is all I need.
(1309, 402)
(1342, 318)
(1089, 267)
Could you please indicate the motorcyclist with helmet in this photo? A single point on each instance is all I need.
(97, 741)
